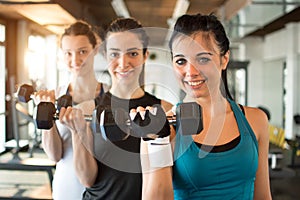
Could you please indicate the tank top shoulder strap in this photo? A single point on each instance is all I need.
(101, 90)
(242, 121)
(103, 99)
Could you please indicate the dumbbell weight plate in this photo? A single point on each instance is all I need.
(24, 93)
(44, 115)
(189, 118)
(114, 125)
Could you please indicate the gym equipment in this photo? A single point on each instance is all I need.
(116, 125)
(46, 111)
(24, 93)
(24, 164)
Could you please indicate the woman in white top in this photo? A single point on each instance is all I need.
(79, 44)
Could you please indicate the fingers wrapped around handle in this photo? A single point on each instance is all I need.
(149, 123)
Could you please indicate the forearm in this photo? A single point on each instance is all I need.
(84, 162)
(52, 144)
(157, 181)
(158, 184)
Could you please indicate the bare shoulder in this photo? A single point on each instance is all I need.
(257, 119)
(105, 87)
(166, 105)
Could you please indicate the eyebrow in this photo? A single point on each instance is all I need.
(204, 53)
(114, 49)
(199, 54)
(79, 49)
(130, 49)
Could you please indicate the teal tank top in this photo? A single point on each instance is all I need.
(199, 174)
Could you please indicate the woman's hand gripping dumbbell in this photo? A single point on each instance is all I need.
(26, 93)
(147, 123)
(48, 107)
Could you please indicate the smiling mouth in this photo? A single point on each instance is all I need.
(123, 73)
(194, 83)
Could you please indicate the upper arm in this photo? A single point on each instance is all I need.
(166, 105)
(259, 123)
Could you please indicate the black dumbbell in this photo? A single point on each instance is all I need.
(115, 125)
(46, 112)
(24, 93)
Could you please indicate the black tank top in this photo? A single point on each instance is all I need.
(119, 166)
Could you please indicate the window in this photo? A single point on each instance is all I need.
(2, 88)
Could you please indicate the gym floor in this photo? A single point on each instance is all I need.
(16, 184)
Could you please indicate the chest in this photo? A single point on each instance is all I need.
(196, 168)
(218, 130)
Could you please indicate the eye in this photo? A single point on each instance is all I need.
(83, 51)
(114, 55)
(203, 60)
(67, 53)
(180, 62)
(133, 53)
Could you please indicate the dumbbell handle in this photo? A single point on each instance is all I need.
(87, 118)
(113, 125)
(171, 120)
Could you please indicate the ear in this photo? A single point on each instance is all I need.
(146, 55)
(225, 60)
(95, 50)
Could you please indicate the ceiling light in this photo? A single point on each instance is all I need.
(51, 16)
(120, 8)
(180, 9)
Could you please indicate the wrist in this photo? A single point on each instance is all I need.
(160, 152)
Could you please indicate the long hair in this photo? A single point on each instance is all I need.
(134, 26)
(190, 24)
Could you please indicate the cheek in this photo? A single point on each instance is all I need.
(179, 73)
(67, 60)
(137, 62)
(112, 63)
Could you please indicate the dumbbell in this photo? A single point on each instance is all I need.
(24, 93)
(46, 112)
(114, 125)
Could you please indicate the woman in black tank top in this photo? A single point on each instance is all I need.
(112, 169)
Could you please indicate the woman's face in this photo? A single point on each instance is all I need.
(124, 53)
(198, 64)
(78, 54)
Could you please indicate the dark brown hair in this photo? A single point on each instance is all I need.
(191, 24)
(134, 26)
(82, 28)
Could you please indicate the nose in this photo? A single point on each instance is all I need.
(123, 61)
(191, 70)
(75, 60)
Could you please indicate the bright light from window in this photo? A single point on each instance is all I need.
(35, 57)
(2, 33)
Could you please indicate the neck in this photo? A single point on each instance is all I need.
(126, 92)
(213, 106)
(83, 88)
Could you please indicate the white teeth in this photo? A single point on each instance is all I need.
(123, 73)
(195, 83)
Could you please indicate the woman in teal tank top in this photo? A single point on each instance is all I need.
(228, 159)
